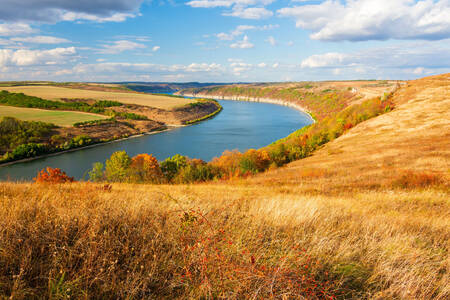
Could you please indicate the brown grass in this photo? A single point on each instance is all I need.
(366, 217)
(57, 93)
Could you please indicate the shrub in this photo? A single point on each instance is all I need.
(171, 165)
(52, 175)
(145, 168)
(411, 179)
(27, 150)
(196, 170)
(254, 161)
(97, 174)
(228, 163)
(117, 165)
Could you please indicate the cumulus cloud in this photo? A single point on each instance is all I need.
(40, 39)
(254, 13)
(271, 40)
(245, 9)
(412, 55)
(14, 29)
(24, 57)
(241, 29)
(155, 48)
(244, 44)
(69, 10)
(324, 60)
(362, 20)
(120, 46)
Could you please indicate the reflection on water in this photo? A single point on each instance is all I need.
(240, 125)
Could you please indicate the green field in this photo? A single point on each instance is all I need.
(58, 93)
(60, 118)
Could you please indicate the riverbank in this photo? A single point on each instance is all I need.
(164, 128)
(249, 99)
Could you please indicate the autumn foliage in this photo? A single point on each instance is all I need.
(52, 175)
(145, 168)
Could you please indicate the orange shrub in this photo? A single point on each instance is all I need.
(228, 163)
(52, 175)
(145, 168)
(410, 179)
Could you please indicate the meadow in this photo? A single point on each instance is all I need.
(365, 216)
(59, 118)
(57, 93)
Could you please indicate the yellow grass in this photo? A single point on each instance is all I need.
(60, 118)
(369, 236)
(56, 93)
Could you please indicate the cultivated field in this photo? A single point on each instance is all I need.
(60, 118)
(57, 93)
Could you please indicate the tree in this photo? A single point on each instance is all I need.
(117, 166)
(145, 168)
(97, 173)
(172, 165)
(52, 175)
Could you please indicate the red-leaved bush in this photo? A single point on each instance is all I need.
(52, 175)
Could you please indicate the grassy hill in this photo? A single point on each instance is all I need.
(366, 216)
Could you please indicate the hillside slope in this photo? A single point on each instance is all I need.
(414, 137)
(366, 217)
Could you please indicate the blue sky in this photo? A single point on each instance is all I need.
(223, 40)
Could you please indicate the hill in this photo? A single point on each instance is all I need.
(365, 217)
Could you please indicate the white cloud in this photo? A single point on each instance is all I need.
(414, 56)
(245, 9)
(275, 65)
(116, 17)
(262, 65)
(40, 39)
(14, 29)
(254, 13)
(244, 44)
(241, 29)
(69, 10)
(24, 57)
(210, 3)
(155, 48)
(324, 60)
(203, 67)
(363, 20)
(120, 46)
(271, 40)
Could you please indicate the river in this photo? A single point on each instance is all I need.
(240, 125)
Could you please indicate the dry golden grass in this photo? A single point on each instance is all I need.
(415, 137)
(57, 93)
(371, 209)
(129, 242)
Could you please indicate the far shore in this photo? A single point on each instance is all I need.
(169, 127)
(250, 99)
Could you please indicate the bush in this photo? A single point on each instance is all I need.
(50, 175)
(196, 170)
(117, 165)
(97, 173)
(254, 161)
(172, 165)
(145, 168)
(27, 150)
(14, 132)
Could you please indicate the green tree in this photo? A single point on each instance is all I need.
(97, 174)
(172, 165)
(117, 166)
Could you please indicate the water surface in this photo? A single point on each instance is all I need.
(240, 125)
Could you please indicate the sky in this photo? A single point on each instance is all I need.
(223, 40)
